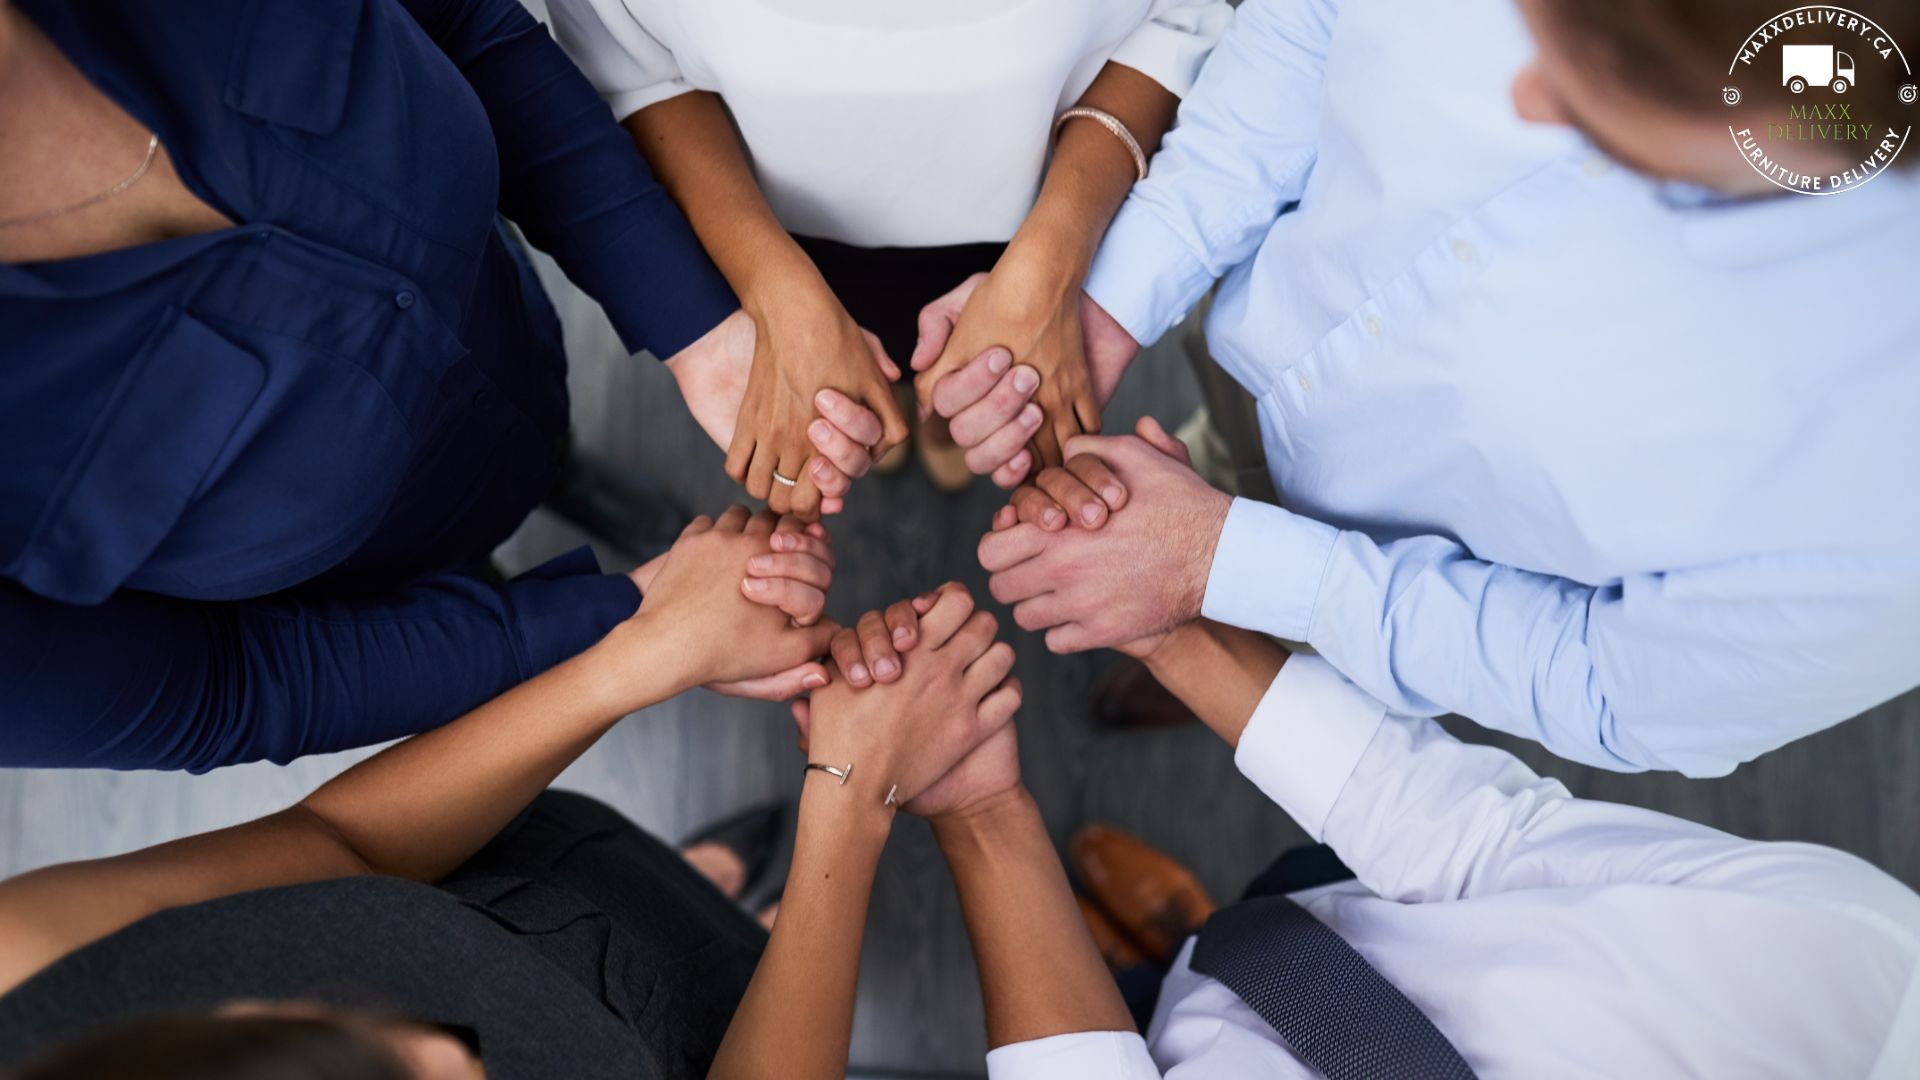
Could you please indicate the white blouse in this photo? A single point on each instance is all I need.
(888, 123)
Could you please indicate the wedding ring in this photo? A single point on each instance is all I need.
(778, 479)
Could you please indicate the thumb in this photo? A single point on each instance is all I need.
(1157, 437)
(936, 326)
(887, 367)
(803, 722)
(784, 686)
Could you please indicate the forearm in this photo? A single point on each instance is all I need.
(421, 808)
(1219, 672)
(1092, 171)
(695, 151)
(796, 1021)
(1040, 974)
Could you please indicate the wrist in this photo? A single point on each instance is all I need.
(641, 663)
(1054, 250)
(857, 820)
(980, 823)
(779, 277)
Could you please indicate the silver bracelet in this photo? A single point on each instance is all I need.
(842, 772)
(1111, 123)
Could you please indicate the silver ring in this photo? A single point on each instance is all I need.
(778, 479)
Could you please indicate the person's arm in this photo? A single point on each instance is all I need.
(1695, 670)
(804, 340)
(421, 808)
(571, 180)
(952, 697)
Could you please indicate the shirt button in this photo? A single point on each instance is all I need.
(1374, 326)
(403, 299)
(1306, 384)
(1598, 166)
(1463, 251)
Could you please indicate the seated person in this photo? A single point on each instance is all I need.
(1498, 926)
(417, 918)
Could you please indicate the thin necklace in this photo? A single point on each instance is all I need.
(153, 150)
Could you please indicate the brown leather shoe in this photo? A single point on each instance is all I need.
(1155, 900)
(1128, 696)
(1120, 953)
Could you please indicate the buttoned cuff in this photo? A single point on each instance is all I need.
(1083, 1055)
(1267, 570)
(654, 279)
(562, 606)
(1144, 275)
(1306, 737)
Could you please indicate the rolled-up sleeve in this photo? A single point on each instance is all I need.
(1085, 1055)
(1174, 41)
(621, 53)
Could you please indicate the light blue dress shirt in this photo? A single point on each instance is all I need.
(1619, 467)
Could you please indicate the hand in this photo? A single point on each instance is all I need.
(1144, 573)
(1083, 492)
(712, 374)
(806, 344)
(725, 633)
(952, 695)
(987, 398)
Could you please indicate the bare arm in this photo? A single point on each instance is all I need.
(421, 808)
(805, 341)
(1220, 672)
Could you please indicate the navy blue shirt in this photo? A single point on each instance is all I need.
(239, 472)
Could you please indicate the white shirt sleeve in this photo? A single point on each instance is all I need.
(1174, 41)
(1085, 1055)
(624, 57)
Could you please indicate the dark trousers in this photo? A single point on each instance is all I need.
(885, 288)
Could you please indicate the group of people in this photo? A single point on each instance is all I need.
(1527, 399)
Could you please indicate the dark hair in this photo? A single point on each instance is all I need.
(198, 1046)
(1676, 52)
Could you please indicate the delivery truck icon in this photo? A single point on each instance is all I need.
(1815, 65)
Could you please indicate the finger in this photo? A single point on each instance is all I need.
(761, 524)
(880, 358)
(1158, 437)
(950, 609)
(936, 324)
(804, 496)
(989, 670)
(697, 526)
(792, 566)
(1065, 425)
(1002, 446)
(734, 519)
(977, 382)
(831, 482)
(855, 421)
(760, 472)
(845, 455)
(1099, 477)
(1003, 550)
(782, 497)
(903, 625)
(998, 708)
(924, 602)
(1081, 502)
(803, 722)
(893, 419)
(1070, 638)
(802, 602)
(1046, 444)
(1088, 414)
(832, 505)
(974, 637)
(798, 543)
(1006, 517)
(1008, 476)
(1035, 577)
(1036, 507)
(785, 686)
(845, 649)
(999, 407)
(876, 648)
(740, 454)
(1043, 612)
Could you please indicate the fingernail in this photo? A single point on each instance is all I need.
(999, 360)
(1051, 516)
(1090, 513)
(826, 399)
(884, 667)
(778, 542)
(813, 682)
(817, 431)
(1025, 380)
(821, 471)
(1021, 460)
(1113, 495)
(755, 585)
(902, 637)
(858, 673)
(1030, 416)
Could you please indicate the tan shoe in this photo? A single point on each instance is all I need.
(941, 457)
(1156, 901)
(1120, 953)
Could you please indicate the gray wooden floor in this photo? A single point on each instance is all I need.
(673, 767)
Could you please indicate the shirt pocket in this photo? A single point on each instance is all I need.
(293, 62)
(175, 408)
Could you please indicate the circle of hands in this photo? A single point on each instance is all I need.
(1106, 541)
